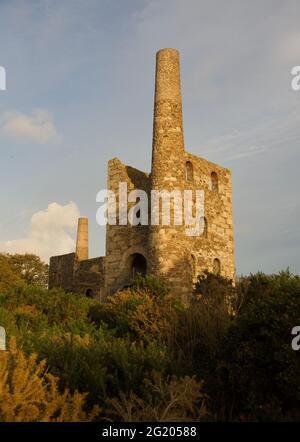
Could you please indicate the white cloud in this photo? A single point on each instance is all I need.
(37, 127)
(49, 233)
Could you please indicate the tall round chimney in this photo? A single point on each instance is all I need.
(82, 243)
(168, 140)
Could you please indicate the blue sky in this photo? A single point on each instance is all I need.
(80, 83)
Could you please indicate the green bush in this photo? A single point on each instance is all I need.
(144, 311)
(258, 372)
(100, 364)
(35, 308)
(231, 344)
(149, 284)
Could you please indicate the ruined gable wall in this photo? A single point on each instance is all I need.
(61, 271)
(123, 241)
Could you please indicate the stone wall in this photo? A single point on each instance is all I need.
(219, 240)
(181, 257)
(61, 271)
(85, 277)
(122, 242)
(89, 277)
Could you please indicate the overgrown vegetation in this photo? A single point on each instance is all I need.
(18, 270)
(144, 355)
(29, 393)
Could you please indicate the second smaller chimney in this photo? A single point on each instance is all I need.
(82, 243)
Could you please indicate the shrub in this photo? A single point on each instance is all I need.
(149, 284)
(153, 349)
(201, 327)
(145, 310)
(257, 369)
(101, 363)
(37, 309)
(29, 393)
(166, 400)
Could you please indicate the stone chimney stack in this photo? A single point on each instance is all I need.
(168, 140)
(82, 243)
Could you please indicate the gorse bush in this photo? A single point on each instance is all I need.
(99, 357)
(30, 393)
(101, 364)
(148, 283)
(144, 355)
(145, 311)
(35, 309)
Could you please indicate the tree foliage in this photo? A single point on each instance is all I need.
(18, 270)
(257, 368)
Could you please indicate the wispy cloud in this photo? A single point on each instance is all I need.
(38, 127)
(259, 138)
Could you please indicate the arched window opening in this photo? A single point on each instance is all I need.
(189, 172)
(138, 265)
(214, 185)
(89, 293)
(204, 226)
(135, 214)
(216, 266)
(138, 215)
(193, 265)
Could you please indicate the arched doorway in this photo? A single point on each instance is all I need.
(189, 172)
(138, 264)
(89, 293)
(214, 185)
